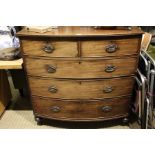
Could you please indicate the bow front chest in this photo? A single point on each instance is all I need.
(81, 73)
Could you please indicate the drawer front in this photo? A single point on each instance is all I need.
(82, 110)
(50, 48)
(81, 69)
(110, 47)
(84, 89)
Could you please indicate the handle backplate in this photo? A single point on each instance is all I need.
(55, 108)
(48, 48)
(111, 48)
(51, 69)
(52, 89)
(108, 89)
(106, 108)
(110, 68)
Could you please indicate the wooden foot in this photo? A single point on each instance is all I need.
(38, 120)
(125, 120)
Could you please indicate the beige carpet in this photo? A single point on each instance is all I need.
(22, 119)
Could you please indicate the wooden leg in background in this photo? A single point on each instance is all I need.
(21, 92)
(5, 92)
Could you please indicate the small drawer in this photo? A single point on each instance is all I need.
(110, 47)
(81, 110)
(105, 68)
(81, 89)
(49, 48)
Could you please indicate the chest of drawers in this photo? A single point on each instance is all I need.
(80, 73)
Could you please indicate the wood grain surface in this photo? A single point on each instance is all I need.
(61, 48)
(81, 110)
(13, 64)
(81, 68)
(81, 31)
(81, 89)
(98, 48)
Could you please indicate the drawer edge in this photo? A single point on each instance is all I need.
(60, 99)
(83, 119)
(93, 99)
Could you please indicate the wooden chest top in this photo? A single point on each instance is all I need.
(82, 31)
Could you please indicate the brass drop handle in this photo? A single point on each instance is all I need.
(108, 89)
(48, 48)
(55, 109)
(52, 89)
(106, 108)
(111, 48)
(110, 68)
(51, 69)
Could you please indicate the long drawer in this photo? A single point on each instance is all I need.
(81, 110)
(95, 48)
(103, 68)
(81, 89)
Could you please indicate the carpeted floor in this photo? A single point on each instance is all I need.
(19, 119)
(24, 119)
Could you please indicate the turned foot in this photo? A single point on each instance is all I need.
(125, 121)
(38, 120)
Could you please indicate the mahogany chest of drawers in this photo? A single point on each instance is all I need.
(80, 73)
